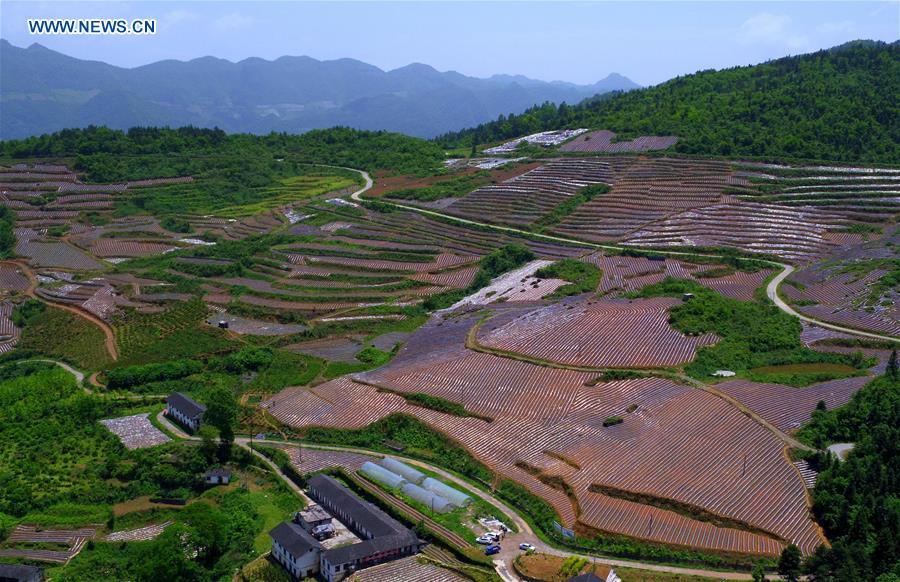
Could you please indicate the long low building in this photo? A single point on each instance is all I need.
(383, 538)
(296, 550)
(185, 410)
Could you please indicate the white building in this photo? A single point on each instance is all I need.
(297, 551)
(185, 410)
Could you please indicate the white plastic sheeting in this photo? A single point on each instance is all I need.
(455, 497)
(427, 498)
(399, 467)
(381, 475)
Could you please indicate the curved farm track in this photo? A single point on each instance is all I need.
(771, 289)
(110, 341)
(510, 545)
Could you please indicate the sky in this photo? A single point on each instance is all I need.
(580, 42)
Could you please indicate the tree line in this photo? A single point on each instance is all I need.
(838, 104)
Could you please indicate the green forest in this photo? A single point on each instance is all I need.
(838, 104)
(857, 501)
(107, 155)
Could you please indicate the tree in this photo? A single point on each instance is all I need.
(759, 573)
(221, 413)
(893, 369)
(208, 435)
(789, 563)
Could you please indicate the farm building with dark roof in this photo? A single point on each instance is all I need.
(185, 410)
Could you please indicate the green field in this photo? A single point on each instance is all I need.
(217, 197)
(288, 191)
(176, 332)
(63, 335)
(823, 367)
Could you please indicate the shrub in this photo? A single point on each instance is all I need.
(582, 277)
(119, 378)
(25, 313)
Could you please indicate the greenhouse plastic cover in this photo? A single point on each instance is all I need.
(381, 475)
(427, 498)
(399, 467)
(455, 497)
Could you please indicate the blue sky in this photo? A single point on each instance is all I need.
(579, 42)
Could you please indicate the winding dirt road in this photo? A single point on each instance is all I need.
(110, 336)
(503, 564)
(771, 289)
(772, 294)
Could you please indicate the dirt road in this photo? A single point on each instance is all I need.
(110, 337)
(771, 289)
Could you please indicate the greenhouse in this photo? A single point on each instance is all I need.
(427, 498)
(381, 475)
(410, 474)
(455, 497)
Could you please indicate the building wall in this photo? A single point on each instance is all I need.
(191, 423)
(300, 567)
(335, 572)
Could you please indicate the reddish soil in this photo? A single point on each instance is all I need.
(390, 183)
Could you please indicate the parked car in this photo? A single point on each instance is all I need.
(492, 549)
(485, 539)
(526, 546)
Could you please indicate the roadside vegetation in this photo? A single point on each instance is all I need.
(756, 338)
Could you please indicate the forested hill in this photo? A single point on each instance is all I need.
(838, 104)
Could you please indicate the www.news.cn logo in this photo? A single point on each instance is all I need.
(91, 26)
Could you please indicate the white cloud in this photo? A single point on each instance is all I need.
(772, 29)
(230, 22)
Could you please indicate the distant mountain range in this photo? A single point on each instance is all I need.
(42, 91)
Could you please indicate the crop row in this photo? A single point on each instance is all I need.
(601, 141)
(605, 333)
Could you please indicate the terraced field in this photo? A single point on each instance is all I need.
(797, 214)
(855, 288)
(792, 234)
(138, 332)
(788, 407)
(623, 273)
(863, 194)
(599, 334)
(9, 333)
(619, 475)
(602, 141)
(644, 457)
(287, 192)
(24, 534)
(520, 201)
